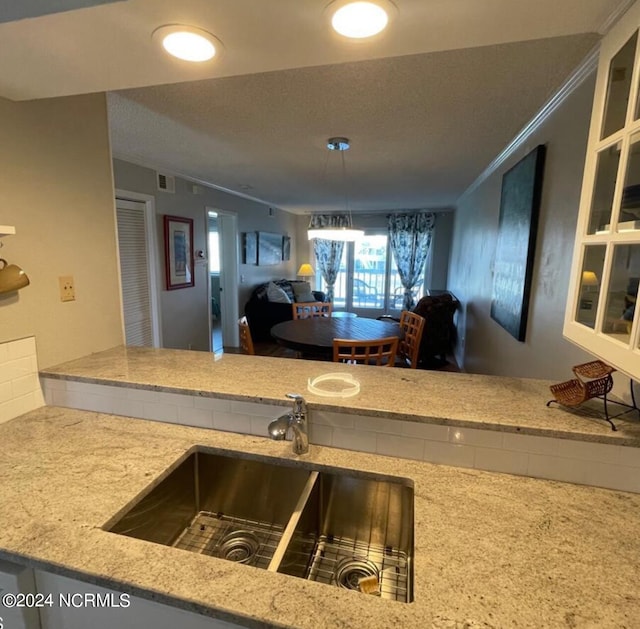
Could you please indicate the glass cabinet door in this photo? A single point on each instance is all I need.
(601, 315)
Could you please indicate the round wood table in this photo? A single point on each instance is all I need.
(314, 337)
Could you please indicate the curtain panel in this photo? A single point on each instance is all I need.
(328, 253)
(410, 236)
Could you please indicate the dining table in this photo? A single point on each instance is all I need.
(313, 337)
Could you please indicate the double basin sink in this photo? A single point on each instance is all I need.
(345, 528)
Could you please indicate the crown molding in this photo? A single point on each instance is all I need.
(575, 80)
(132, 159)
(614, 16)
(588, 65)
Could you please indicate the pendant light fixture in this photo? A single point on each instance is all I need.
(344, 233)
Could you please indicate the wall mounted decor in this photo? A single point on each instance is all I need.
(519, 209)
(178, 252)
(250, 248)
(286, 248)
(269, 248)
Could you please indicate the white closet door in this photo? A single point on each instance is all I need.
(134, 271)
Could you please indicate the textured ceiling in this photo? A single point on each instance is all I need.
(422, 126)
(427, 104)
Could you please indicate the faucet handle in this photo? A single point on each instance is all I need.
(295, 396)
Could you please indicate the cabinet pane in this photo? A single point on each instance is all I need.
(623, 289)
(605, 185)
(630, 211)
(618, 88)
(591, 276)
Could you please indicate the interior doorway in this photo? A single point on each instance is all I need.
(223, 271)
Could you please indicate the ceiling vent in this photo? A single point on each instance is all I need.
(166, 183)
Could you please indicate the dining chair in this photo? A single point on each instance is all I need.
(246, 342)
(312, 309)
(379, 352)
(412, 326)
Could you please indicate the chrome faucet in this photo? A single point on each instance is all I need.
(296, 419)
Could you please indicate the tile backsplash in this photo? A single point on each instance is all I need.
(20, 390)
(599, 464)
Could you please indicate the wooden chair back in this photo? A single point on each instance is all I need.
(246, 342)
(380, 352)
(312, 309)
(412, 326)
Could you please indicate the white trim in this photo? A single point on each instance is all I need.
(575, 80)
(614, 16)
(166, 170)
(153, 258)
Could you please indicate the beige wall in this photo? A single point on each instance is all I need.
(484, 346)
(185, 312)
(57, 191)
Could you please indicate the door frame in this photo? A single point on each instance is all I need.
(152, 258)
(228, 239)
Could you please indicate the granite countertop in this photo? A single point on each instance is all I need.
(491, 550)
(488, 402)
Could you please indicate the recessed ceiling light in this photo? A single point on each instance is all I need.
(362, 19)
(187, 42)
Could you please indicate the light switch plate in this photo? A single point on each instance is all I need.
(67, 288)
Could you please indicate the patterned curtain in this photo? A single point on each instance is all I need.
(410, 241)
(329, 252)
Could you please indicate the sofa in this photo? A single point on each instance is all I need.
(262, 313)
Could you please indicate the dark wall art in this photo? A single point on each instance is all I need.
(515, 249)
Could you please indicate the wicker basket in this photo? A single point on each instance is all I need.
(577, 391)
(594, 369)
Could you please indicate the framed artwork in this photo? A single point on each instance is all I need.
(250, 248)
(178, 252)
(269, 248)
(286, 248)
(519, 209)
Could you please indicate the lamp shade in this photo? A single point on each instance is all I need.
(306, 270)
(589, 278)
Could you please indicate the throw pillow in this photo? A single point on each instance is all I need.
(302, 292)
(276, 294)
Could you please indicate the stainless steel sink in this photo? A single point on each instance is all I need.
(335, 527)
(355, 527)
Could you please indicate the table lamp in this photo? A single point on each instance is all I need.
(306, 270)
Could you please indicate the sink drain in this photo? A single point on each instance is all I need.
(350, 570)
(239, 546)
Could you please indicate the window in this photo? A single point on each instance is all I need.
(214, 253)
(368, 281)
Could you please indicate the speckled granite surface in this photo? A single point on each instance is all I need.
(491, 550)
(489, 402)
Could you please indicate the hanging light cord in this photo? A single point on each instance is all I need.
(346, 189)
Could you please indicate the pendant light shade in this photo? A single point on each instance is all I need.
(344, 234)
(341, 228)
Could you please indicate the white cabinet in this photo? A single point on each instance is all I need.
(16, 582)
(78, 605)
(601, 313)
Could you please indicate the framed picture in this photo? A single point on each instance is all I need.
(250, 248)
(269, 248)
(519, 209)
(178, 252)
(286, 248)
